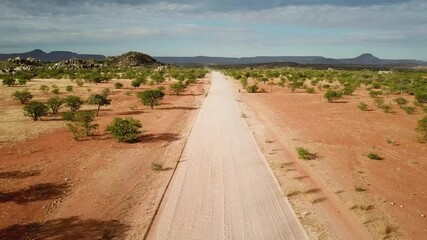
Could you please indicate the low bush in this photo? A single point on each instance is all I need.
(409, 109)
(118, 85)
(252, 88)
(422, 128)
(125, 130)
(363, 106)
(303, 153)
(332, 95)
(374, 156)
(401, 101)
(54, 103)
(69, 88)
(309, 90)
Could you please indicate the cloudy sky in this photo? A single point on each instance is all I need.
(332, 28)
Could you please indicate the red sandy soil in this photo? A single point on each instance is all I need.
(52, 187)
(322, 191)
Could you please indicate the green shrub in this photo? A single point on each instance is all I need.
(118, 85)
(252, 89)
(73, 102)
(374, 93)
(303, 153)
(81, 123)
(379, 102)
(69, 88)
(177, 87)
(79, 83)
(374, 156)
(22, 96)
(332, 95)
(157, 167)
(55, 90)
(309, 90)
(387, 108)
(54, 103)
(363, 106)
(44, 88)
(8, 80)
(422, 128)
(409, 109)
(35, 110)
(124, 130)
(421, 95)
(401, 101)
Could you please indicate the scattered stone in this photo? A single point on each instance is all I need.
(392, 203)
(66, 179)
(422, 215)
(402, 206)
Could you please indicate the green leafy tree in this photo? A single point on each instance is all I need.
(421, 95)
(99, 100)
(125, 130)
(422, 128)
(151, 97)
(178, 87)
(294, 85)
(332, 95)
(73, 102)
(35, 110)
(23, 96)
(55, 103)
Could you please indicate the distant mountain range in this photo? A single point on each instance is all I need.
(366, 59)
(55, 56)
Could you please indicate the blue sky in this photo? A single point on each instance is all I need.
(331, 28)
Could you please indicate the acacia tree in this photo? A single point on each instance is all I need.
(55, 103)
(35, 110)
(151, 97)
(100, 100)
(23, 96)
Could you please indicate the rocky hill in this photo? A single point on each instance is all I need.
(131, 59)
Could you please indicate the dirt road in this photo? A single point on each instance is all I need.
(223, 187)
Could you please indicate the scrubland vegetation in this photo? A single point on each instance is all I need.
(80, 122)
(384, 87)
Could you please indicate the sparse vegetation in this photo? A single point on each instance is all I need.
(178, 87)
(118, 85)
(81, 124)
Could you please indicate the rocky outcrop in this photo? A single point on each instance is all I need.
(131, 59)
(75, 63)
